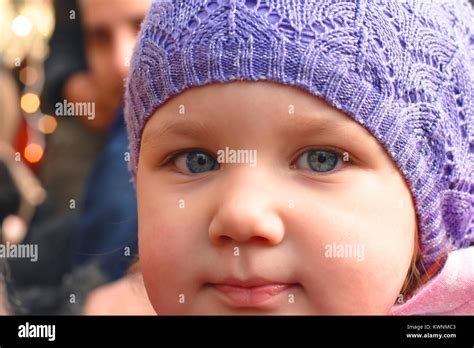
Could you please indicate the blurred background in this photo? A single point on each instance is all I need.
(64, 183)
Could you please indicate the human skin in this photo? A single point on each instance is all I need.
(111, 29)
(282, 215)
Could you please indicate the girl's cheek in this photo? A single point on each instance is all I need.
(164, 257)
(366, 252)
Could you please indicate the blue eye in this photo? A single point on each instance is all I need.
(320, 161)
(196, 162)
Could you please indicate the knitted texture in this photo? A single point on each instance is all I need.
(403, 69)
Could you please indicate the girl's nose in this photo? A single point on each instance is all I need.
(247, 211)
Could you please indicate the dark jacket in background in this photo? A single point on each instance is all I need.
(107, 228)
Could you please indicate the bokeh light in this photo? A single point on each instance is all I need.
(33, 153)
(30, 102)
(22, 26)
(47, 124)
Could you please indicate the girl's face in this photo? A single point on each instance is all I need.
(315, 218)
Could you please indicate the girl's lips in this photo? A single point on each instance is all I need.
(244, 296)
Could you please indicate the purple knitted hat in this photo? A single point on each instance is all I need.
(404, 69)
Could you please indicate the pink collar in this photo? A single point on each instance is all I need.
(451, 292)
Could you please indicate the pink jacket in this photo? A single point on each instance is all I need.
(451, 292)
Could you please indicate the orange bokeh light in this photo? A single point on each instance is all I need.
(47, 124)
(30, 102)
(33, 153)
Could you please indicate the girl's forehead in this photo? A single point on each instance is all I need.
(253, 97)
(261, 101)
(285, 111)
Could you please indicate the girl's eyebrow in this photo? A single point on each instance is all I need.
(177, 128)
(308, 124)
(327, 122)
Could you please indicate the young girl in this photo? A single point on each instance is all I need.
(304, 157)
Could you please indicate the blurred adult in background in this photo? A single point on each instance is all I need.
(108, 226)
(88, 63)
(107, 230)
